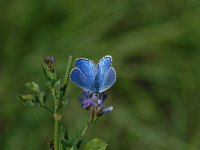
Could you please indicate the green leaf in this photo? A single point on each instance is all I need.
(33, 86)
(67, 148)
(27, 99)
(67, 144)
(33, 100)
(63, 133)
(78, 142)
(65, 141)
(66, 79)
(45, 70)
(96, 144)
(51, 76)
(57, 83)
(42, 97)
(49, 85)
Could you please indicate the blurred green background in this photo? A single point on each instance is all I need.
(155, 47)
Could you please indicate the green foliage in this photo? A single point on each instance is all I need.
(96, 144)
(58, 93)
(33, 86)
(74, 142)
(53, 79)
(37, 99)
(65, 140)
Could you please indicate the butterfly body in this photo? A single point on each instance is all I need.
(94, 78)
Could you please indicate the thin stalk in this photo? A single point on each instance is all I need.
(56, 123)
(66, 79)
(56, 101)
(58, 105)
(85, 129)
(56, 133)
(90, 121)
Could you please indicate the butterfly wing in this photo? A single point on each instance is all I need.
(105, 74)
(109, 80)
(79, 78)
(84, 74)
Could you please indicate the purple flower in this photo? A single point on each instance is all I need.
(95, 103)
(107, 109)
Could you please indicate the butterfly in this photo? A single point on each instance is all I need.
(94, 78)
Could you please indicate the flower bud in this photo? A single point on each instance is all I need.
(50, 62)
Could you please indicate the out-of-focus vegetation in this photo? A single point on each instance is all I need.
(156, 53)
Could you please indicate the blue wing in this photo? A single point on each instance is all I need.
(105, 74)
(79, 78)
(84, 74)
(109, 80)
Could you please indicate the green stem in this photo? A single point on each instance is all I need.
(58, 105)
(56, 133)
(87, 125)
(56, 101)
(66, 79)
(56, 121)
(85, 129)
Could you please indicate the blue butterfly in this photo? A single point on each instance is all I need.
(94, 78)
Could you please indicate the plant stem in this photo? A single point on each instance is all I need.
(85, 129)
(57, 118)
(56, 132)
(66, 79)
(56, 122)
(87, 125)
(58, 105)
(56, 101)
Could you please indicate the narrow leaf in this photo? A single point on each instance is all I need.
(33, 86)
(27, 99)
(63, 133)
